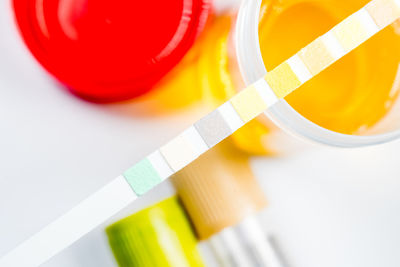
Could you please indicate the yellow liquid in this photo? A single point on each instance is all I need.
(349, 97)
(354, 93)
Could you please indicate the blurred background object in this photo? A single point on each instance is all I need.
(218, 190)
(110, 50)
(158, 236)
(222, 198)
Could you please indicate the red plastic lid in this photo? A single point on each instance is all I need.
(110, 50)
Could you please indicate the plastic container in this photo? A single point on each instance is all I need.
(109, 50)
(222, 198)
(158, 236)
(252, 66)
(356, 99)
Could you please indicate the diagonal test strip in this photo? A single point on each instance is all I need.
(205, 134)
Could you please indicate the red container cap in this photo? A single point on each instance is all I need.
(110, 50)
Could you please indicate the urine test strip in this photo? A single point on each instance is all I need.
(205, 133)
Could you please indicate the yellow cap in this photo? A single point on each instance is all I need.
(218, 190)
(159, 236)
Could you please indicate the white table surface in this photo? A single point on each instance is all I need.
(328, 207)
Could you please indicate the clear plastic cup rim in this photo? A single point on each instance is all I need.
(252, 67)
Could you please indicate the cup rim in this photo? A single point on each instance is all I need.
(252, 67)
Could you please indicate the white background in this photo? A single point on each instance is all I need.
(328, 207)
